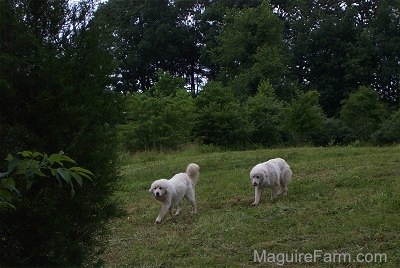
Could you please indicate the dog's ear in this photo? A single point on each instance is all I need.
(151, 190)
(266, 180)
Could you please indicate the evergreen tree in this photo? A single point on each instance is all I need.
(250, 49)
(54, 98)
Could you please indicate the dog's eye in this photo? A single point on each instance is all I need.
(160, 188)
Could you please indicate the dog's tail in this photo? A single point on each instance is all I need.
(193, 171)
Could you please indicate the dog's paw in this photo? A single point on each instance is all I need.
(254, 204)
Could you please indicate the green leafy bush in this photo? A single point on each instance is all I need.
(264, 114)
(362, 113)
(389, 131)
(220, 118)
(161, 118)
(29, 166)
(304, 118)
(54, 97)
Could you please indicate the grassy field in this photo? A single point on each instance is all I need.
(341, 200)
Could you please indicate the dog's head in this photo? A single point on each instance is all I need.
(257, 179)
(159, 189)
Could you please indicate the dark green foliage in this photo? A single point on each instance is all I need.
(27, 167)
(250, 49)
(61, 75)
(363, 113)
(148, 35)
(52, 85)
(161, 118)
(389, 130)
(304, 118)
(338, 46)
(220, 120)
(333, 133)
(265, 114)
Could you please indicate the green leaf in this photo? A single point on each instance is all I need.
(36, 154)
(68, 159)
(5, 195)
(72, 191)
(77, 177)
(12, 162)
(26, 153)
(29, 182)
(9, 157)
(59, 158)
(64, 173)
(55, 158)
(58, 177)
(9, 184)
(7, 204)
(82, 171)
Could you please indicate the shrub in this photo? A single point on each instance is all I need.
(304, 118)
(56, 99)
(362, 113)
(161, 118)
(220, 120)
(389, 131)
(264, 114)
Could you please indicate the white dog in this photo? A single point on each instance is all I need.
(274, 174)
(171, 192)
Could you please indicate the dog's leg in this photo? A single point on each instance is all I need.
(274, 191)
(179, 210)
(287, 177)
(258, 193)
(163, 211)
(190, 196)
(280, 191)
(284, 190)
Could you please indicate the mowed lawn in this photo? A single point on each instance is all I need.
(341, 200)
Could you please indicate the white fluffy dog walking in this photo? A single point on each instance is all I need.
(274, 174)
(171, 192)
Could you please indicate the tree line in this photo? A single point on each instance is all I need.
(316, 59)
(91, 78)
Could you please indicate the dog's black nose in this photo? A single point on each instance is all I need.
(254, 184)
(157, 194)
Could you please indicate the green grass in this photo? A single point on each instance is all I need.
(341, 199)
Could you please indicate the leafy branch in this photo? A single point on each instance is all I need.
(29, 165)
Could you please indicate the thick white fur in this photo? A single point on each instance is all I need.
(171, 192)
(274, 174)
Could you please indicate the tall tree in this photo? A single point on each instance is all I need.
(149, 35)
(386, 43)
(339, 46)
(250, 49)
(53, 79)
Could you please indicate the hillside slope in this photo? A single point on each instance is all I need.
(341, 200)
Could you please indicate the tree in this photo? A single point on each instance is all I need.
(304, 117)
(161, 118)
(389, 130)
(220, 119)
(264, 112)
(386, 42)
(27, 166)
(362, 113)
(250, 49)
(53, 97)
(149, 35)
(340, 46)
